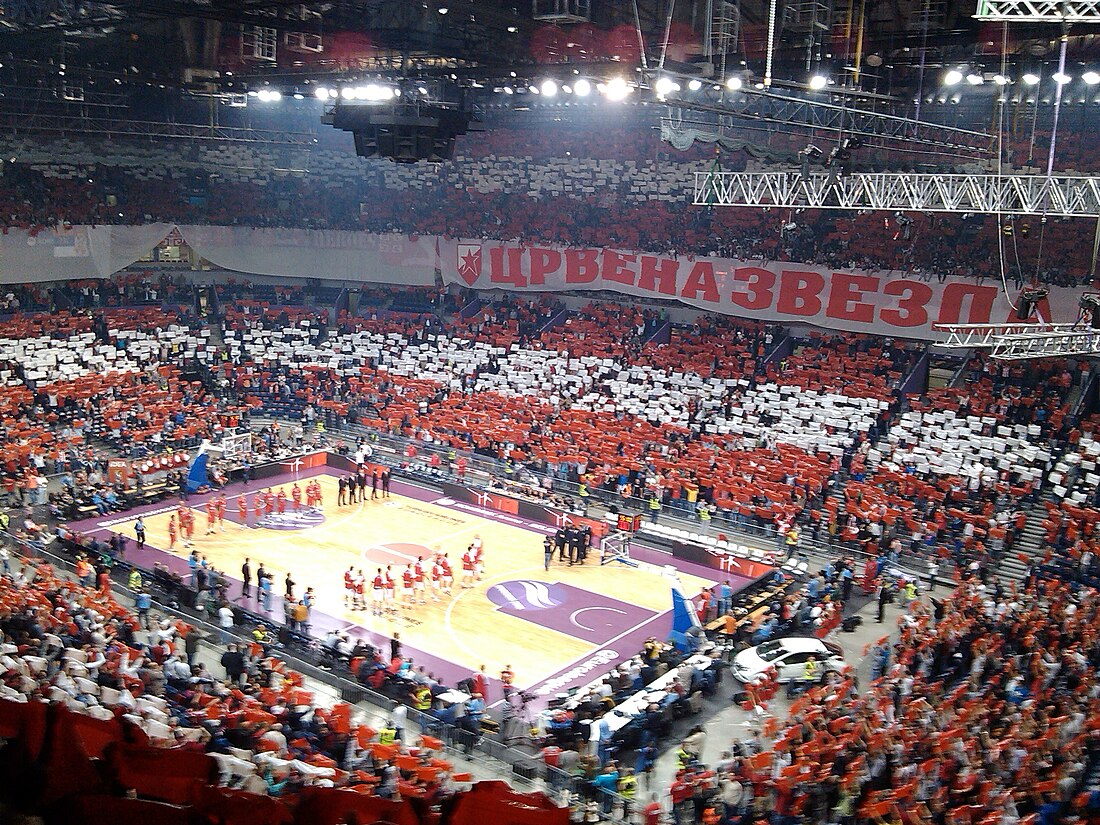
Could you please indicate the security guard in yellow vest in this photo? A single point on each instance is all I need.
(422, 698)
(809, 671)
(654, 508)
(683, 758)
(628, 785)
(135, 579)
(582, 491)
(704, 513)
(627, 788)
(388, 734)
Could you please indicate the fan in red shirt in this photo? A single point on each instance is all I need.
(682, 793)
(651, 814)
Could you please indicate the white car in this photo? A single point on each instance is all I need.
(788, 656)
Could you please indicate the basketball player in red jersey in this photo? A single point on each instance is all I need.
(360, 600)
(377, 593)
(468, 568)
(349, 587)
(296, 494)
(448, 574)
(437, 578)
(258, 507)
(172, 532)
(391, 592)
(211, 515)
(408, 582)
(479, 557)
(418, 573)
(242, 509)
(187, 525)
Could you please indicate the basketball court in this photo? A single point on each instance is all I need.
(554, 628)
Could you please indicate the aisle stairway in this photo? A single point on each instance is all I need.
(1031, 544)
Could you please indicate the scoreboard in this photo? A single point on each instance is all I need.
(629, 522)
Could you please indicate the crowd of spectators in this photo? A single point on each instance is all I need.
(845, 496)
(72, 643)
(466, 199)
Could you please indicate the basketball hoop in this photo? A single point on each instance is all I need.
(616, 547)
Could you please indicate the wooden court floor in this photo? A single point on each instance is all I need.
(519, 614)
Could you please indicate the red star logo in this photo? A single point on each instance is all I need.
(469, 262)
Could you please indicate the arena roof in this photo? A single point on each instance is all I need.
(894, 55)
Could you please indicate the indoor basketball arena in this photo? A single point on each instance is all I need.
(437, 412)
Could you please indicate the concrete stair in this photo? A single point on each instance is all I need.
(1032, 544)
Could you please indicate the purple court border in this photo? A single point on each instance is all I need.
(598, 661)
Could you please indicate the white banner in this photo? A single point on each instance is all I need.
(882, 302)
(78, 252)
(73, 253)
(317, 253)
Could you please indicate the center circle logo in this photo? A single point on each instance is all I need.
(292, 519)
(527, 594)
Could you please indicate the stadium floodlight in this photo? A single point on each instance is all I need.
(695, 84)
(733, 83)
(321, 93)
(582, 88)
(975, 79)
(508, 90)
(548, 88)
(565, 87)
(665, 86)
(616, 89)
(376, 92)
(1001, 80)
(818, 82)
(1091, 78)
(533, 89)
(347, 93)
(1031, 79)
(953, 77)
(1061, 78)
